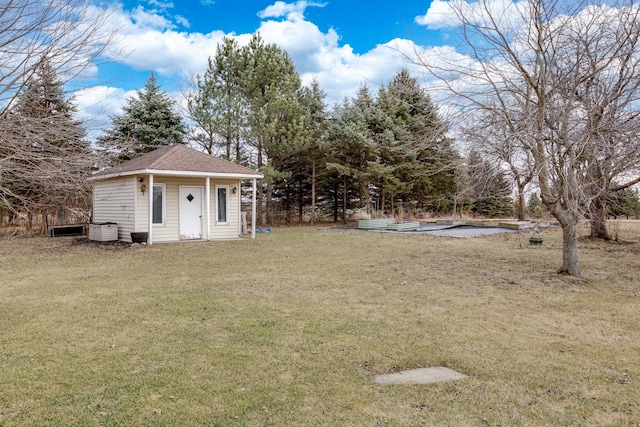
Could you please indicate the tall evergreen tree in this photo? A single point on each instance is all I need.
(625, 202)
(313, 101)
(44, 156)
(217, 107)
(418, 158)
(352, 147)
(271, 87)
(306, 159)
(202, 108)
(148, 122)
(535, 207)
(490, 190)
(393, 147)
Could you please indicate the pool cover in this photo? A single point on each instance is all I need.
(447, 230)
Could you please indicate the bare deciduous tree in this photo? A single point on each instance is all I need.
(44, 159)
(608, 99)
(496, 141)
(530, 66)
(68, 34)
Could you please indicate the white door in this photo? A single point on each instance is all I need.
(190, 212)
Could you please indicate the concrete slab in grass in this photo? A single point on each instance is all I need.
(437, 374)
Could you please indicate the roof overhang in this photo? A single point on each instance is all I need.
(184, 174)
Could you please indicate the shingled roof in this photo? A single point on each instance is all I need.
(178, 160)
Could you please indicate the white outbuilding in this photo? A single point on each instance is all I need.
(174, 193)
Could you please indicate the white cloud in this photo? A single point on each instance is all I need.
(338, 69)
(142, 18)
(281, 9)
(171, 53)
(439, 15)
(148, 41)
(303, 40)
(442, 13)
(102, 99)
(96, 105)
(161, 4)
(183, 21)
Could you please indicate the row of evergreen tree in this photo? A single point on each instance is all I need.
(386, 151)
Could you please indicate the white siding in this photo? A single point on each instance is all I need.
(231, 230)
(170, 230)
(142, 204)
(114, 201)
(120, 200)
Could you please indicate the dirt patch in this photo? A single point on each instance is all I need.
(112, 245)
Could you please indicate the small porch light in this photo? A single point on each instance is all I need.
(234, 190)
(143, 187)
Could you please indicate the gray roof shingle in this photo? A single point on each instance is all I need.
(178, 159)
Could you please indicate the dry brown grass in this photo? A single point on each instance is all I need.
(289, 329)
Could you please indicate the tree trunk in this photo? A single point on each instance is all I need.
(598, 218)
(260, 204)
(313, 189)
(260, 196)
(570, 263)
(238, 150)
(393, 205)
(335, 202)
(522, 204)
(455, 206)
(344, 198)
(260, 211)
(300, 198)
(269, 203)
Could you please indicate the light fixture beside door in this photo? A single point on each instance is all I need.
(143, 186)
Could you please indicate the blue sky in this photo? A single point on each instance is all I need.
(342, 43)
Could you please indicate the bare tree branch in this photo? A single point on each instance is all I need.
(68, 34)
(560, 82)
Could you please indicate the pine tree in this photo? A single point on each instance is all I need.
(353, 150)
(202, 108)
(535, 207)
(418, 158)
(625, 202)
(393, 147)
(490, 189)
(217, 107)
(231, 120)
(44, 155)
(313, 101)
(271, 88)
(148, 122)
(307, 158)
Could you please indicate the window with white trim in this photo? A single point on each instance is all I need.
(159, 204)
(222, 204)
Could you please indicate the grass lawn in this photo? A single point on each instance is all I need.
(289, 330)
